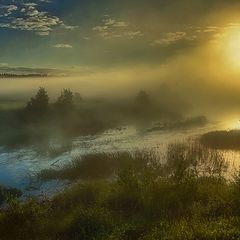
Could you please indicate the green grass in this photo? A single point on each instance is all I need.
(98, 165)
(186, 198)
(7, 193)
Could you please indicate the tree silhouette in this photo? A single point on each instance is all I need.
(142, 99)
(77, 98)
(142, 106)
(65, 101)
(39, 104)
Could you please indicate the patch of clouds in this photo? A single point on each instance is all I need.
(46, 1)
(210, 29)
(6, 11)
(192, 33)
(63, 45)
(214, 29)
(43, 33)
(205, 29)
(233, 26)
(215, 33)
(68, 27)
(27, 16)
(111, 29)
(174, 37)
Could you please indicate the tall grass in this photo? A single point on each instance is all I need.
(99, 165)
(147, 200)
(7, 193)
(191, 156)
(181, 157)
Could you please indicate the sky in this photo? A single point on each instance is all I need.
(77, 33)
(193, 45)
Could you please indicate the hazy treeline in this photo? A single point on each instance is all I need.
(71, 115)
(29, 75)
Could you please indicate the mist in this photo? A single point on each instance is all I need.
(196, 77)
(119, 120)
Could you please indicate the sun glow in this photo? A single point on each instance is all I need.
(233, 124)
(232, 48)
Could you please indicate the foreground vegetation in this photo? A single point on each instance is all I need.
(189, 197)
(7, 193)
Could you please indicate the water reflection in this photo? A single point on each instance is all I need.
(20, 168)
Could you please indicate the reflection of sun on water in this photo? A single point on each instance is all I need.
(233, 124)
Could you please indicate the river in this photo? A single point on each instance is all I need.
(19, 168)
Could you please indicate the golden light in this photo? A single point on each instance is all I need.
(231, 48)
(234, 48)
(231, 123)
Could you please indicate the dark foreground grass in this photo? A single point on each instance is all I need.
(98, 165)
(186, 198)
(6, 193)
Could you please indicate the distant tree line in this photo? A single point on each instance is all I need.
(39, 105)
(12, 75)
(66, 110)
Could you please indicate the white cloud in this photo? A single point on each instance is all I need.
(46, 1)
(133, 34)
(114, 23)
(6, 11)
(173, 37)
(212, 32)
(30, 18)
(43, 33)
(111, 28)
(63, 45)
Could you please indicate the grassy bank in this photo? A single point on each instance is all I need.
(7, 193)
(227, 140)
(186, 198)
(98, 165)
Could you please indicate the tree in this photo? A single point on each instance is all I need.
(143, 107)
(142, 99)
(65, 101)
(77, 98)
(39, 104)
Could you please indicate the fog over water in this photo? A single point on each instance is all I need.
(19, 168)
(147, 73)
(196, 77)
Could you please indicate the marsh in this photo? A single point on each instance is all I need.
(119, 120)
(58, 131)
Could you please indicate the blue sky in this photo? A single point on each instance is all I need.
(77, 33)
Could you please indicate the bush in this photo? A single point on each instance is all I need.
(8, 193)
(197, 229)
(146, 200)
(86, 224)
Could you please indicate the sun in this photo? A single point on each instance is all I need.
(232, 48)
(227, 50)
